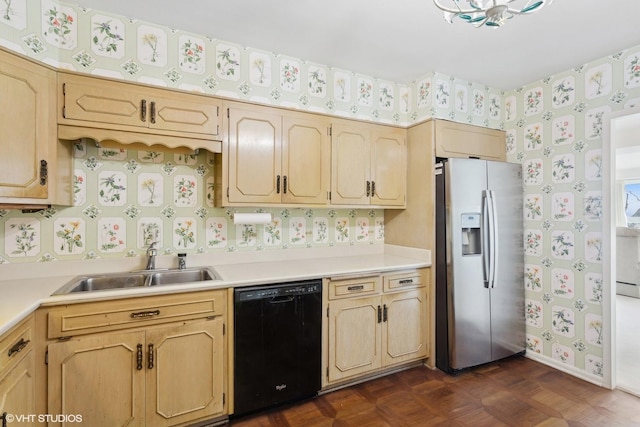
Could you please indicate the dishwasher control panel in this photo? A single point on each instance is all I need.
(290, 289)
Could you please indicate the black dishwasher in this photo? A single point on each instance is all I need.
(277, 344)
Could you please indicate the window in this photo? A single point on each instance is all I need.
(631, 202)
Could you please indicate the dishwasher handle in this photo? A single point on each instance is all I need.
(281, 299)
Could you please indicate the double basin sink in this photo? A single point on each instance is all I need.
(137, 279)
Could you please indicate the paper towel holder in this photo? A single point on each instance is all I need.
(242, 218)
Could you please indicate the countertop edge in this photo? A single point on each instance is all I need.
(36, 292)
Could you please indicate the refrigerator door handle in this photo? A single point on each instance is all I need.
(493, 238)
(486, 269)
(489, 239)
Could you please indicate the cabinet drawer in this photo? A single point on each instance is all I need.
(357, 286)
(405, 280)
(16, 343)
(85, 318)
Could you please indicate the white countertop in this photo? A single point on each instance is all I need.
(25, 287)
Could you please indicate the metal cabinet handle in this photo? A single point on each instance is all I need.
(139, 357)
(278, 184)
(4, 419)
(379, 314)
(143, 314)
(150, 360)
(143, 110)
(17, 347)
(384, 313)
(284, 185)
(44, 172)
(373, 188)
(368, 188)
(355, 288)
(406, 282)
(153, 112)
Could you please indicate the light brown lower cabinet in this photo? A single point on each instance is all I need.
(160, 375)
(372, 324)
(17, 376)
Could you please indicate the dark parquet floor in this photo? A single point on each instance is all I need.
(515, 392)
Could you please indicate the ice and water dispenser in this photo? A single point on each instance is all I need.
(470, 229)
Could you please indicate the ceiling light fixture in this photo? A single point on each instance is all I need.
(492, 13)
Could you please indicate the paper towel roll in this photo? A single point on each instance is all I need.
(251, 218)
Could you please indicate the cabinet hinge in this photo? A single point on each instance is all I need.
(46, 357)
(224, 329)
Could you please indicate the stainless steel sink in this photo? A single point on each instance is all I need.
(172, 277)
(137, 279)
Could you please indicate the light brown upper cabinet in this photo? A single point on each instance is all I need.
(96, 102)
(33, 164)
(275, 156)
(368, 165)
(462, 140)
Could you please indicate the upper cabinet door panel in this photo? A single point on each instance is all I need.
(305, 160)
(254, 156)
(388, 167)
(185, 113)
(26, 122)
(350, 165)
(463, 140)
(101, 101)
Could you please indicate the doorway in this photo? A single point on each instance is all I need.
(623, 232)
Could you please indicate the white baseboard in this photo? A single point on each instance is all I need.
(571, 370)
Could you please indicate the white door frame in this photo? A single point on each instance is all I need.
(608, 240)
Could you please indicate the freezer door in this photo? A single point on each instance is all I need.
(504, 180)
(469, 317)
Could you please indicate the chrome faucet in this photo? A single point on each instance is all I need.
(151, 256)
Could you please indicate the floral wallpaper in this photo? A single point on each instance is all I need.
(554, 128)
(126, 199)
(90, 41)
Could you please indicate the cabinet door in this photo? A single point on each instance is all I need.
(102, 101)
(255, 139)
(350, 165)
(463, 140)
(98, 377)
(405, 333)
(354, 337)
(27, 121)
(17, 391)
(185, 113)
(388, 167)
(185, 381)
(305, 160)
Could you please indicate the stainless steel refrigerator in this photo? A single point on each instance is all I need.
(479, 262)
